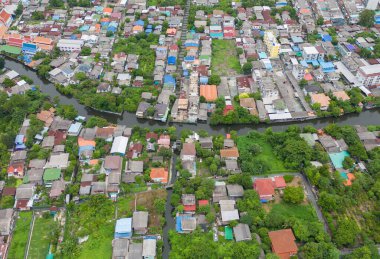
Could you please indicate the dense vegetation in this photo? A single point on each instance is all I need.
(13, 111)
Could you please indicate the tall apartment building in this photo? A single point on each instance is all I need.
(369, 75)
(272, 44)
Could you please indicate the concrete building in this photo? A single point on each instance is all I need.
(369, 75)
(272, 44)
(70, 45)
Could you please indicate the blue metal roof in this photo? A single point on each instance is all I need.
(171, 60)
(75, 127)
(123, 225)
(139, 22)
(169, 79)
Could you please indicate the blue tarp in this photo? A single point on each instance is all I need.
(326, 37)
(191, 44)
(171, 60)
(203, 80)
(148, 31)
(189, 59)
(263, 55)
(84, 28)
(169, 80)
(139, 22)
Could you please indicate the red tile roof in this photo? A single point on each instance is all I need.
(189, 207)
(202, 202)
(159, 174)
(264, 187)
(279, 182)
(283, 243)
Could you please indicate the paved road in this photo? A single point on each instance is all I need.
(170, 221)
(297, 88)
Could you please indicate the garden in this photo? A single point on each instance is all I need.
(20, 235)
(45, 232)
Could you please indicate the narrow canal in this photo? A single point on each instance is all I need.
(367, 117)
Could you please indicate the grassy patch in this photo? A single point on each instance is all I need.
(20, 235)
(224, 60)
(302, 212)
(266, 153)
(41, 237)
(94, 218)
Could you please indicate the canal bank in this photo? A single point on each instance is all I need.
(366, 117)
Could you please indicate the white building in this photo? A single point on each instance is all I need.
(70, 45)
(369, 75)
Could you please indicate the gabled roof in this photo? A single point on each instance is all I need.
(264, 186)
(231, 152)
(159, 174)
(283, 241)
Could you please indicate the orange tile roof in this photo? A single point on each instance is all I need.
(3, 30)
(107, 10)
(42, 40)
(283, 243)
(351, 177)
(137, 28)
(83, 142)
(209, 92)
(230, 152)
(105, 19)
(171, 31)
(341, 95)
(46, 116)
(322, 99)
(94, 161)
(4, 16)
(159, 174)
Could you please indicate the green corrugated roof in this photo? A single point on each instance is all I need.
(52, 174)
(10, 49)
(228, 235)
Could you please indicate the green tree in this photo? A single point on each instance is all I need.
(19, 9)
(323, 250)
(294, 195)
(214, 80)
(320, 20)
(67, 111)
(247, 68)
(302, 83)
(86, 51)
(362, 252)
(366, 18)
(346, 232)
(159, 205)
(348, 162)
(37, 16)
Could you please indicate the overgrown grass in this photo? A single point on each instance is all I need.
(224, 60)
(266, 154)
(20, 236)
(41, 237)
(302, 212)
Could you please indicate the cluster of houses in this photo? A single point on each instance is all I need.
(14, 83)
(226, 195)
(281, 54)
(44, 172)
(124, 247)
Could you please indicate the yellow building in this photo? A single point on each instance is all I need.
(272, 44)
